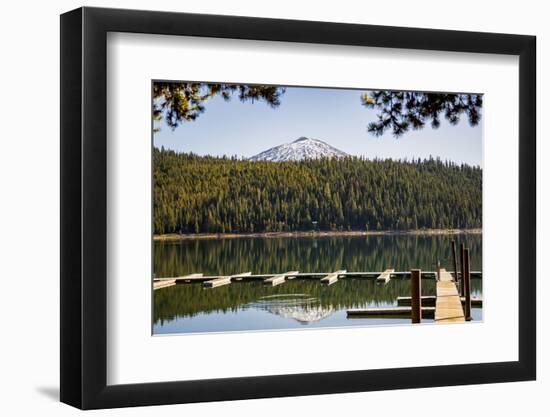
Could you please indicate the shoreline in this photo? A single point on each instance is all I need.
(201, 236)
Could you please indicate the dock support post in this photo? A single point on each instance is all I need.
(461, 289)
(453, 258)
(467, 292)
(416, 306)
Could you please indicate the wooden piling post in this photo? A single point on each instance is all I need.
(416, 303)
(467, 292)
(453, 259)
(461, 270)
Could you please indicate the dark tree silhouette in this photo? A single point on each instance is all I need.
(182, 101)
(400, 110)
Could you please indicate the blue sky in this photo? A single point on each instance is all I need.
(335, 116)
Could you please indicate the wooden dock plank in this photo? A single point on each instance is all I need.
(220, 281)
(187, 278)
(448, 307)
(279, 279)
(388, 312)
(332, 277)
(217, 282)
(163, 283)
(445, 276)
(385, 276)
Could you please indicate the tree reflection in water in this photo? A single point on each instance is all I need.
(308, 254)
(303, 301)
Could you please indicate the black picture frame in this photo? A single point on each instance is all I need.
(84, 207)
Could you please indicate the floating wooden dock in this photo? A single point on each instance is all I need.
(385, 276)
(388, 312)
(448, 307)
(332, 277)
(279, 279)
(445, 307)
(191, 278)
(220, 281)
(429, 301)
(168, 282)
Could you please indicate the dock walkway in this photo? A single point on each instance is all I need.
(448, 307)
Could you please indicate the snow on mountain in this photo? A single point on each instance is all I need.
(302, 148)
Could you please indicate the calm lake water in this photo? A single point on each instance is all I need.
(298, 303)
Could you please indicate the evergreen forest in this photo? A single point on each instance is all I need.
(206, 194)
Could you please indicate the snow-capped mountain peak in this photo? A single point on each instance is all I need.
(301, 148)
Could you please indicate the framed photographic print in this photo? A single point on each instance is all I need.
(256, 207)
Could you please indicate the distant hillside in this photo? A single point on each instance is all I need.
(195, 194)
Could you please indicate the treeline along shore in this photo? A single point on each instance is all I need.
(212, 196)
(316, 234)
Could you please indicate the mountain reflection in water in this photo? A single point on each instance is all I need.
(300, 307)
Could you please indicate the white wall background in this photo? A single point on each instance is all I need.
(29, 212)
